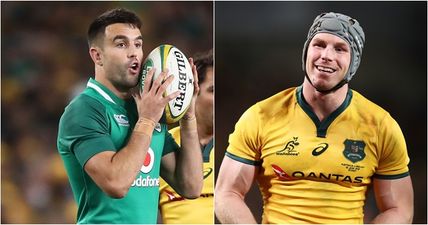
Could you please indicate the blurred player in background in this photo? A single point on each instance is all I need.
(113, 147)
(315, 149)
(174, 208)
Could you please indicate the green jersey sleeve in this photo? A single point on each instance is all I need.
(84, 129)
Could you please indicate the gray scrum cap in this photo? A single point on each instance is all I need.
(344, 27)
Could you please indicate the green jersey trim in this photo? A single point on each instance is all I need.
(101, 92)
(322, 126)
(391, 177)
(105, 92)
(207, 150)
(242, 160)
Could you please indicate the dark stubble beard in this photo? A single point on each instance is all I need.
(122, 81)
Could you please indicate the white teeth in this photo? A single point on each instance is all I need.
(325, 69)
(134, 65)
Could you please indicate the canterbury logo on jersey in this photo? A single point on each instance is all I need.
(121, 120)
(289, 148)
(282, 175)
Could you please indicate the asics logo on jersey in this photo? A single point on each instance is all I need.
(289, 148)
(282, 175)
(319, 149)
(207, 172)
(121, 120)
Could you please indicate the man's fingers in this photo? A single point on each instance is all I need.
(195, 76)
(171, 96)
(158, 82)
(148, 80)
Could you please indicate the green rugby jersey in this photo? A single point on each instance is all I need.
(96, 121)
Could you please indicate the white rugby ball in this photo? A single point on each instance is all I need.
(168, 56)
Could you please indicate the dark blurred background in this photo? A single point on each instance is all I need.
(44, 63)
(258, 50)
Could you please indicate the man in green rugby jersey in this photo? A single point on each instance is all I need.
(110, 139)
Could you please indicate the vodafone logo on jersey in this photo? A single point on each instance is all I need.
(148, 162)
(146, 168)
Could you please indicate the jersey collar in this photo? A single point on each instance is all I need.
(322, 126)
(105, 92)
(206, 150)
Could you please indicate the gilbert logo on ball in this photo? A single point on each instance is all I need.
(169, 57)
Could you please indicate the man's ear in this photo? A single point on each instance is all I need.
(95, 54)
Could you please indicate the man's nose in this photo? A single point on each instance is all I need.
(134, 52)
(327, 54)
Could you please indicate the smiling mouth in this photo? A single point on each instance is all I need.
(325, 69)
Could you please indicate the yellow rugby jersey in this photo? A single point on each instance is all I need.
(177, 210)
(312, 171)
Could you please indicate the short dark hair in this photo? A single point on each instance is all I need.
(118, 15)
(202, 62)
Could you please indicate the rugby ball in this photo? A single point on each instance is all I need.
(168, 56)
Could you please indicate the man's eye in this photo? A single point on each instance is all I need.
(341, 50)
(121, 45)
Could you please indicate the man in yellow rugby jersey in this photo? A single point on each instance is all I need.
(174, 208)
(315, 149)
